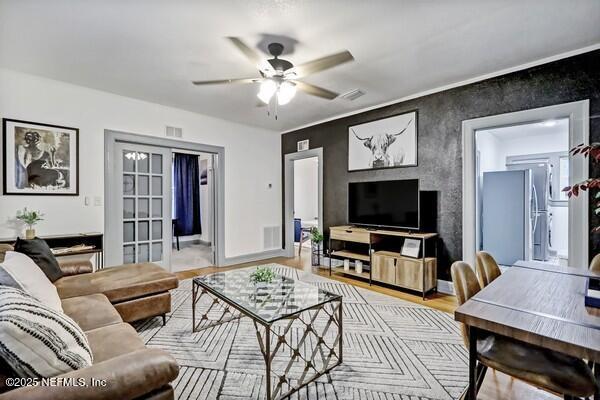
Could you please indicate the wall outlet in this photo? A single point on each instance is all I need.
(97, 201)
(86, 200)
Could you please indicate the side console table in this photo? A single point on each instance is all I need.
(74, 244)
(385, 262)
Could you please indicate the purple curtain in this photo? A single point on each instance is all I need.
(187, 194)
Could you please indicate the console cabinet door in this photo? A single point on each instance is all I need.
(384, 269)
(408, 274)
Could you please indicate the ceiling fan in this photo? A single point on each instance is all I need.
(279, 78)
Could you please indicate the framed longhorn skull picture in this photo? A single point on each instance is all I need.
(385, 143)
(40, 159)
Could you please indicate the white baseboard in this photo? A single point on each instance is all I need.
(263, 255)
(445, 287)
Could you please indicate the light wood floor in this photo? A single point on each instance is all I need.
(496, 386)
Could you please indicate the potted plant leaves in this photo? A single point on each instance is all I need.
(262, 275)
(30, 218)
(316, 238)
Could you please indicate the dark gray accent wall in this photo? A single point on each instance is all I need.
(439, 137)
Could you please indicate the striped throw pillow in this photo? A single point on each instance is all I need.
(37, 341)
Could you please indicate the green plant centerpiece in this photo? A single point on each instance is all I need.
(30, 218)
(262, 275)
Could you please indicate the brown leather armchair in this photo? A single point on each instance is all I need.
(3, 249)
(537, 366)
(487, 268)
(595, 264)
(130, 370)
(137, 291)
(101, 303)
(71, 267)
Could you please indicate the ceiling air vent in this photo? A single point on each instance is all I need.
(352, 95)
(174, 132)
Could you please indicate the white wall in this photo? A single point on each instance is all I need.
(560, 229)
(497, 144)
(553, 142)
(306, 189)
(253, 156)
(491, 157)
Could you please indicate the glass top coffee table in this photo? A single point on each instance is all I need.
(298, 325)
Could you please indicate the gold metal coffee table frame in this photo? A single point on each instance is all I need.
(318, 349)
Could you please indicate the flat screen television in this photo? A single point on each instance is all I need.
(393, 204)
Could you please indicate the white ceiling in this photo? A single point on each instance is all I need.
(152, 49)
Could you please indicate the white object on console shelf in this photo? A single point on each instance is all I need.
(358, 266)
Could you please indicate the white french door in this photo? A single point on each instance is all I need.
(143, 205)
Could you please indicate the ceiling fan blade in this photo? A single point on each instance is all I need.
(250, 54)
(316, 90)
(220, 81)
(320, 64)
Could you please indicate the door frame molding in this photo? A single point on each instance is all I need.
(288, 197)
(111, 137)
(578, 114)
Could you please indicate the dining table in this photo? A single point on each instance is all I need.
(539, 304)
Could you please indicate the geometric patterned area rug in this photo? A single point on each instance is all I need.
(393, 349)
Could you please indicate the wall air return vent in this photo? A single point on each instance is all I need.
(271, 237)
(174, 132)
(352, 95)
(302, 145)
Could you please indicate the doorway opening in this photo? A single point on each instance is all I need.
(303, 199)
(534, 231)
(522, 213)
(192, 199)
(142, 223)
(306, 200)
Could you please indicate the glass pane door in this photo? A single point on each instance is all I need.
(144, 204)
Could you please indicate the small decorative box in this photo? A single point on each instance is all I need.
(592, 296)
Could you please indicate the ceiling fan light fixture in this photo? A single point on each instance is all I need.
(266, 69)
(267, 89)
(286, 92)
